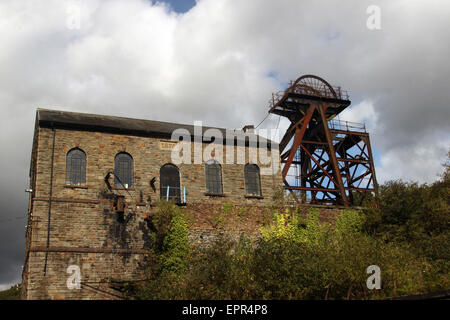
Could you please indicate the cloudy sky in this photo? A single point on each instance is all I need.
(218, 61)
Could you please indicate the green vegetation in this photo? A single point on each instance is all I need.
(298, 257)
(417, 216)
(12, 293)
(175, 246)
(169, 254)
(227, 208)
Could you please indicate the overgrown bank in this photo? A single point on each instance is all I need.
(12, 293)
(299, 258)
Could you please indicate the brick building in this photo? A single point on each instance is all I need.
(94, 179)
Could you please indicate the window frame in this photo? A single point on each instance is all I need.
(162, 196)
(69, 181)
(117, 184)
(209, 192)
(258, 185)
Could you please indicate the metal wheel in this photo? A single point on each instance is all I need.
(313, 85)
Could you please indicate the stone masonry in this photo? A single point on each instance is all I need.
(78, 225)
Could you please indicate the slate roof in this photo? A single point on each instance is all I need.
(104, 123)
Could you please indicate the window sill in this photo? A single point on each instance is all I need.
(249, 196)
(215, 194)
(75, 186)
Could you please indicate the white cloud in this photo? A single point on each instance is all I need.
(422, 162)
(362, 112)
(219, 63)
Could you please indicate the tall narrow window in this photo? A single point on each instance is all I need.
(76, 167)
(169, 177)
(213, 172)
(123, 171)
(252, 182)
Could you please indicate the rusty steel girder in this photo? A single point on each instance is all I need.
(325, 161)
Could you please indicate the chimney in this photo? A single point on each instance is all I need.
(249, 127)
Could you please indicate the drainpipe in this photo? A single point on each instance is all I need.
(50, 201)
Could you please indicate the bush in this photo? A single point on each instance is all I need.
(301, 258)
(176, 245)
(294, 259)
(12, 293)
(170, 257)
(322, 262)
(417, 217)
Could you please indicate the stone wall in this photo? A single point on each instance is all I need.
(148, 157)
(209, 222)
(79, 226)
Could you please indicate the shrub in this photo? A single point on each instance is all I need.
(12, 293)
(176, 245)
(296, 258)
(169, 261)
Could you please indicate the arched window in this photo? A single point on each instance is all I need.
(123, 171)
(252, 183)
(169, 177)
(213, 172)
(76, 167)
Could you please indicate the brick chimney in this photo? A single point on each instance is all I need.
(249, 127)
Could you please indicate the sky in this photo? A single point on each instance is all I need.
(218, 61)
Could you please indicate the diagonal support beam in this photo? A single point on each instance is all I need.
(298, 139)
(332, 155)
(372, 169)
(318, 164)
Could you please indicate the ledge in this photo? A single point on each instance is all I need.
(75, 186)
(88, 250)
(215, 194)
(69, 200)
(249, 196)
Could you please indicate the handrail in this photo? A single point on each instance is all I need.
(168, 196)
(301, 89)
(347, 125)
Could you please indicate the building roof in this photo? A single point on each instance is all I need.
(104, 123)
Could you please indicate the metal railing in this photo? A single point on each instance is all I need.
(346, 125)
(176, 196)
(323, 92)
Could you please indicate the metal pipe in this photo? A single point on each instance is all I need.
(184, 194)
(50, 202)
(167, 194)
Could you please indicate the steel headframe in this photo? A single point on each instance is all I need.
(331, 159)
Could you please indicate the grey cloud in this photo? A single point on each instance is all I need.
(219, 63)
